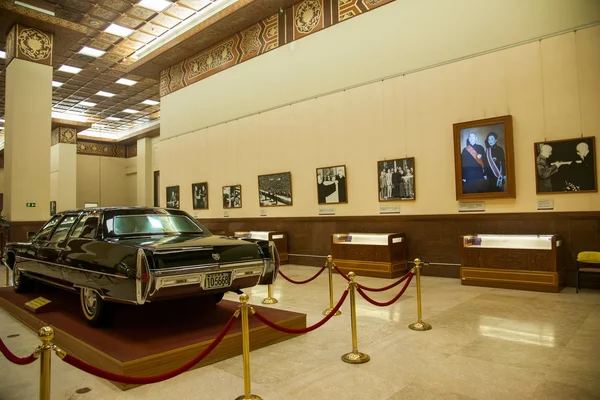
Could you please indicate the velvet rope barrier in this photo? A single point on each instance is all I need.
(283, 329)
(301, 282)
(392, 301)
(90, 369)
(14, 359)
(369, 289)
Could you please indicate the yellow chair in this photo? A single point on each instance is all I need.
(591, 262)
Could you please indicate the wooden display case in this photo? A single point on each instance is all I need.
(525, 262)
(381, 255)
(279, 238)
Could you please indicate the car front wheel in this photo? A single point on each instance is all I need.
(95, 309)
(21, 283)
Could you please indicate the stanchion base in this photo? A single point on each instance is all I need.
(420, 326)
(270, 300)
(355, 358)
(249, 397)
(329, 310)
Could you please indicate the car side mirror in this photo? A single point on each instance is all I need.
(31, 235)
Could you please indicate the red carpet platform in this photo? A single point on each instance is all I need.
(151, 339)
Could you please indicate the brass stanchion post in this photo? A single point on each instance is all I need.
(419, 325)
(246, 350)
(329, 264)
(355, 356)
(270, 299)
(7, 274)
(46, 335)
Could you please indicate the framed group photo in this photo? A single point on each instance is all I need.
(484, 159)
(566, 166)
(232, 196)
(275, 190)
(172, 196)
(331, 185)
(396, 179)
(200, 196)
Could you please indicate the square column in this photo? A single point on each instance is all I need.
(63, 168)
(144, 172)
(28, 121)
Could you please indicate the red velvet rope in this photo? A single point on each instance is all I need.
(301, 282)
(90, 369)
(369, 289)
(376, 303)
(294, 331)
(14, 359)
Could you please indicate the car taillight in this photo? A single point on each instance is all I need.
(142, 277)
(145, 277)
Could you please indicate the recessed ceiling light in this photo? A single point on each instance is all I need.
(59, 115)
(150, 102)
(105, 94)
(42, 10)
(155, 5)
(57, 84)
(118, 30)
(127, 82)
(87, 104)
(88, 51)
(130, 111)
(1, 120)
(2, 54)
(113, 119)
(69, 69)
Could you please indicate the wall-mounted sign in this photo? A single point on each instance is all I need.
(471, 207)
(326, 211)
(547, 204)
(389, 209)
(29, 204)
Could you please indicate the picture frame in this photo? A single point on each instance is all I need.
(396, 179)
(232, 196)
(200, 196)
(275, 190)
(474, 143)
(565, 166)
(173, 197)
(332, 187)
(52, 208)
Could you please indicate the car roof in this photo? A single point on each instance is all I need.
(113, 208)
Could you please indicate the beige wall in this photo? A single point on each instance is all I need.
(63, 176)
(394, 39)
(551, 88)
(103, 180)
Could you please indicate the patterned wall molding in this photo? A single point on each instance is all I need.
(30, 13)
(63, 134)
(100, 149)
(29, 44)
(131, 150)
(302, 19)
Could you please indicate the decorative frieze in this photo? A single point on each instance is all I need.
(63, 134)
(100, 149)
(131, 150)
(29, 44)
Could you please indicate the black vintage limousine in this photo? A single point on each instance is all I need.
(137, 255)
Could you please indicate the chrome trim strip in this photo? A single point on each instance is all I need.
(182, 250)
(48, 281)
(68, 266)
(235, 274)
(185, 269)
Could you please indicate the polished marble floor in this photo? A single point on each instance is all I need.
(485, 344)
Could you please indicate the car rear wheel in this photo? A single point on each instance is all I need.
(21, 283)
(95, 309)
(218, 297)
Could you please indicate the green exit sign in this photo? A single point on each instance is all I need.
(29, 204)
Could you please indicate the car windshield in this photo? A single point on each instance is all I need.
(152, 224)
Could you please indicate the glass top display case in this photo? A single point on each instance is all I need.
(541, 242)
(279, 238)
(381, 239)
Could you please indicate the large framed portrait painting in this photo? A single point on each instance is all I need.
(172, 196)
(275, 190)
(396, 179)
(483, 159)
(200, 196)
(232, 196)
(331, 185)
(566, 166)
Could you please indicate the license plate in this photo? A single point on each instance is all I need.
(217, 280)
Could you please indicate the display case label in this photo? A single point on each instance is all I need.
(263, 212)
(326, 211)
(547, 204)
(389, 209)
(226, 214)
(471, 207)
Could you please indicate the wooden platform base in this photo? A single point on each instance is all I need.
(373, 268)
(513, 279)
(150, 339)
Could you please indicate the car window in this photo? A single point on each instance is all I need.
(63, 228)
(87, 227)
(46, 229)
(154, 224)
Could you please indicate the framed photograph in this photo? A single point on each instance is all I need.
(232, 196)
(331, 185)
(275, 190)
(200, 196)
(484, 159)
(566, 166)
(172, 196)
(396, 179)
(52, 208)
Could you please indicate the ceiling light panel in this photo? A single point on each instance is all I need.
(2, 54)
(57, 84)
(69, 69)
(113, 119)
(105, 94)
(118, 30)
(87, 104)
(127, 82)
(88, 51)
(130, 111)
(155, 5)
(151, 102)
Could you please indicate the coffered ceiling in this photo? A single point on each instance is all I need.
(157, 34)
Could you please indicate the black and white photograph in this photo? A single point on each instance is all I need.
(566, 166)
(200, 196)
(53, 208)
(483, 155)
(172, 196)
(396, 179)
(275, 190)
(232, 196)
(331, 185)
